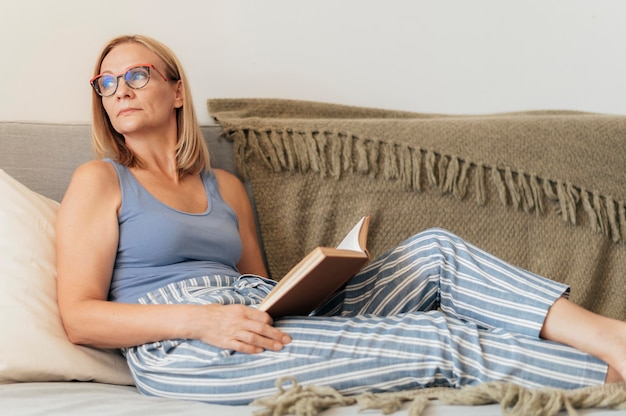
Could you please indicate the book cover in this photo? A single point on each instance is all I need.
(318, 275)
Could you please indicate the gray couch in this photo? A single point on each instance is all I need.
(43, 157)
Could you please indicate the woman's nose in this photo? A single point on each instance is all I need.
(122, 88)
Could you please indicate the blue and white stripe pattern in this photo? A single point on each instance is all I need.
(434, 311)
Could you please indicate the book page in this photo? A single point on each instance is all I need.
(351, 240)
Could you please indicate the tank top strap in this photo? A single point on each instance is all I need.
(126, 179)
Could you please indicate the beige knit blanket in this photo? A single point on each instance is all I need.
(544, 190)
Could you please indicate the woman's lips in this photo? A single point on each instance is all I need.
(126, 111)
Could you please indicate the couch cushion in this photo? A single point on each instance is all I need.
(34, 346)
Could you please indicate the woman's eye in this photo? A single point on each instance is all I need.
(108, 82)
(137, 75)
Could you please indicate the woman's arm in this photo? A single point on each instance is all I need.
(235, 195)
(87, 237)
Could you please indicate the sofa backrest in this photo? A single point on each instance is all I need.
(43, 156)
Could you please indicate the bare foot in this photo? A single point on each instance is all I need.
(613, 338)
(610, 346)
(613, 376)
(602, 337)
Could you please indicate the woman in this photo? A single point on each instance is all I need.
(158, 255)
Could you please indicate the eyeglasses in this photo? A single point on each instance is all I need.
(137, 76)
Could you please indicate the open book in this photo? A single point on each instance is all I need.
(318, 275)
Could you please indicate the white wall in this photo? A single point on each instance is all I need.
(442, 56)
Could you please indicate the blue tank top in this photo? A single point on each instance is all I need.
(159, 245)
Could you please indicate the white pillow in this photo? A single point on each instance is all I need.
(33, 344)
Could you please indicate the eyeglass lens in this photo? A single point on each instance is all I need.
(135, 78)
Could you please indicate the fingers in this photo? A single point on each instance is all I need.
(256, 315)
(264, 326)
(260, 339)
(244, 329)
(242, 347)
(262, 334)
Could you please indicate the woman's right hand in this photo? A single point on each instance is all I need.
(239, 328)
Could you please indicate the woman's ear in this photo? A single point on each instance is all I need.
(180, 95)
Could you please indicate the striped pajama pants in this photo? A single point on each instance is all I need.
(433, 311)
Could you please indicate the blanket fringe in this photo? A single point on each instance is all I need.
(517, 400)
(295, 399)
(333, 153)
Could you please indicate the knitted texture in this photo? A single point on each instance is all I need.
(544, 190)
(295, 399)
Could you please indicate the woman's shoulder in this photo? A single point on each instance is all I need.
(95, 175)
(224, 175)
(227, 180)
(230, 186)
(95, 167)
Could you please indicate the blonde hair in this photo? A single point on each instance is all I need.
(192, 154)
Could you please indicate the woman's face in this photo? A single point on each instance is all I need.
(148, 110)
